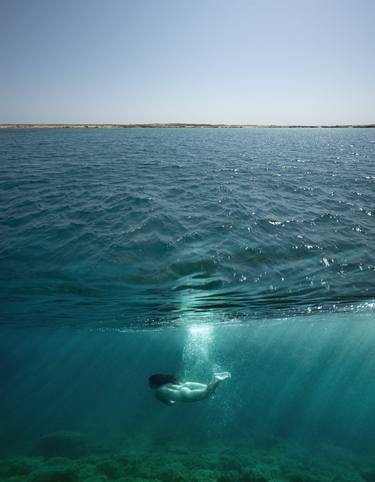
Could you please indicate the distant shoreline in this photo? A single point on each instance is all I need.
(179, 126)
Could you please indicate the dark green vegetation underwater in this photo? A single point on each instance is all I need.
(165, 461)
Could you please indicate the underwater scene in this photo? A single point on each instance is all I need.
(187, 305)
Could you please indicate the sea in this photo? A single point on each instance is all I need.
(126, 252)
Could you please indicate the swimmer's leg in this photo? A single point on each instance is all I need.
(195, 386)
(217, 379)
(191, 391)
(187, 394)
(222, 375)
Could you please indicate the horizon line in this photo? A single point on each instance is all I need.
(20, 125)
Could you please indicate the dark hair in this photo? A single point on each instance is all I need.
(157, 380)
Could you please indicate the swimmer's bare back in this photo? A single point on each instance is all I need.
(175, 391)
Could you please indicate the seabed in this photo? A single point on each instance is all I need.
(66, 457)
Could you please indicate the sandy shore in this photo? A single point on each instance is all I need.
(174, 125)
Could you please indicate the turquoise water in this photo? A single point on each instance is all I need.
(126, 252)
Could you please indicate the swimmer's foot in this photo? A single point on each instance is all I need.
(222, 376)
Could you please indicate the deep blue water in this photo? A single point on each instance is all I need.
(138, 227)
(125, 252)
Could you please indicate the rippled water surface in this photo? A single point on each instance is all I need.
(137, 227)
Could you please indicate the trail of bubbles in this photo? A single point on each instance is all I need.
(197, 361)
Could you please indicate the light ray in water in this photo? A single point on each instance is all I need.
(197, 361)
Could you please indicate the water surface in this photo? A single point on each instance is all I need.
(140, 227)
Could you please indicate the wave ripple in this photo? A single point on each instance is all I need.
(140, 227)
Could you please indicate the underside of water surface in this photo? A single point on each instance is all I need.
(126, 253)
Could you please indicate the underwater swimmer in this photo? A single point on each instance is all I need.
(169, 389)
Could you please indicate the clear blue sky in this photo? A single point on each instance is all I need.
(233, 61)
